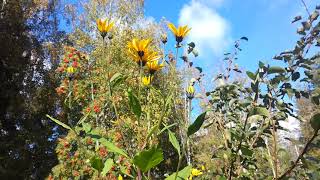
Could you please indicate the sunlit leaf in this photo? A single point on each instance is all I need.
(174, 141)
(59, 122)
(251, 75)
(182, 175)
(148, 159)
(262, 111)
(107, 166)
(112, 148)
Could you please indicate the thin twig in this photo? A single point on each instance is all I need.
(305, 6)
(304, 151)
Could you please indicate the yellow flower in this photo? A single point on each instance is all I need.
(196, 172)
(104, 26)
(154, 66)
(180, 32)
(203, 168)
(146, 80)
(139, 52)
(190, 92)
(70, 70)
(120, 177)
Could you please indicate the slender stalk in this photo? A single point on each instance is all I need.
(109, 83)
(275, 149)
(178, 167)
(188, 140)
(238, 148)
(270, 159)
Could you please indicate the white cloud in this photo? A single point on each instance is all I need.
(210, 31)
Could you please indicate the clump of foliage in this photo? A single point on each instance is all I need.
(125, 103)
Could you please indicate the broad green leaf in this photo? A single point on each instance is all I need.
(315, 121)
(134, 104)
(251, 75)
(112, 148)
(107, 166)
(148, 159)
(96, 163)
(182, 175)
(261, 64)
(276, 69)
(174, 141)
(59, 122)
(259, 111)
(86, 127)
(196, 125)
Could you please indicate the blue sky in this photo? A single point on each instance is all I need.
(267, 24)
(216, 24)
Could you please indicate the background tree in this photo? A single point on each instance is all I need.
(27, 88)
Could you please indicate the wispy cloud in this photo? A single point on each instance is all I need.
(210, 31)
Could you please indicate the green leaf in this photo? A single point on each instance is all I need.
(315, 122)
(259, 111)
(86, 127)
(182, 175)
(83, 119)
(276, 69)
(222, 178)
(167, 127)
(261, 64)
(134, 104)
(195, 126)
(112, 148)
(148, 159)
(251, 75)
(107, 166)
(96, 163)
(246, 151)
(174, 141)
(59, 122)
(116, 79)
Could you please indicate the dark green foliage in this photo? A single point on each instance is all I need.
(27, 92)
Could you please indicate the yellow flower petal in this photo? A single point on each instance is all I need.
(173, 28)
(120, 177)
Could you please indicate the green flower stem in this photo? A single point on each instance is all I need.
(188, 140)
(109, 83)
(178, 167)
